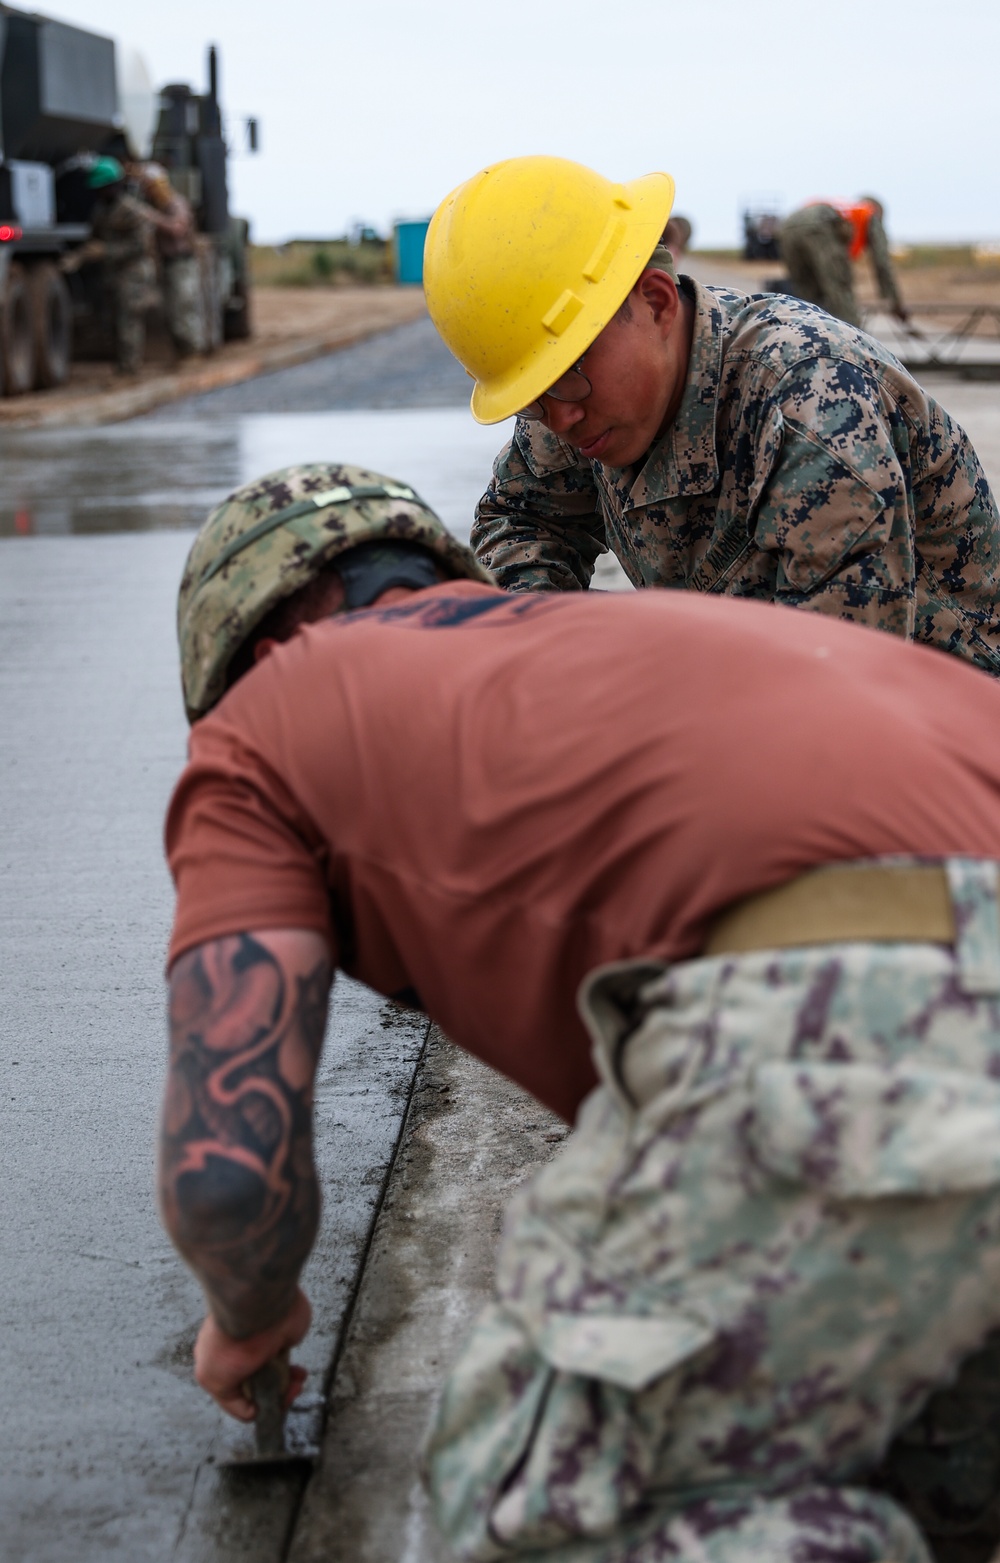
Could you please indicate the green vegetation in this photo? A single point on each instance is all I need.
(717, 255)
(910, 256)
(321, 263)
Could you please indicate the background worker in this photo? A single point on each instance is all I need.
(677, 237)
(712, 440)
(777, 1226)
(173, 223)
(122, 240)
(820, 241)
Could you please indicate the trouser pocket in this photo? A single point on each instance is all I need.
(553, 1432)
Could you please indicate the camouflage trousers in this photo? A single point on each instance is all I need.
(775, 1231)
(136, 293)
(819, 265)
(185, 304)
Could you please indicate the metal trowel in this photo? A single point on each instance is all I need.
(279, 1437)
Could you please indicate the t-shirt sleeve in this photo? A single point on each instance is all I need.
(242, 854)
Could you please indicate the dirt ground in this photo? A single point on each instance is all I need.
(291, 325)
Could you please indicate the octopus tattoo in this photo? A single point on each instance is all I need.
(237, 1181)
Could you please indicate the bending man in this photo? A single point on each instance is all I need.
(771, 876)
(819, 243)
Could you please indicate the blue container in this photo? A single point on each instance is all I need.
(410, 251)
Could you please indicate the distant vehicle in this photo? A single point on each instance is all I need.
(760, 235)
(60, 104)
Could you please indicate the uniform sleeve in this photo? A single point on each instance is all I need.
(834, 512)
(878, 249)
(241, 855)
(538, 526)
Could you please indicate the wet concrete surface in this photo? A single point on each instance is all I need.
(141, 476)
(105, 1446)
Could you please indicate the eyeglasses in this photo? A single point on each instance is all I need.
(573, 386)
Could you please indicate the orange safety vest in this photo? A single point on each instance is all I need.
(859, 214)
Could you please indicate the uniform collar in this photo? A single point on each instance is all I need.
(683, 460)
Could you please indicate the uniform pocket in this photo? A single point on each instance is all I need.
(857, 1131)
(629, 1352)
(599, 1437)
(563, 1424)
(818, 512)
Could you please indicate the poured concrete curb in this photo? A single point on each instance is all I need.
(471, 1137)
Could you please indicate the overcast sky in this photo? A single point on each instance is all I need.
(376, 110)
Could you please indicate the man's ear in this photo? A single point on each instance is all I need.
(263, 648)
(659, 293)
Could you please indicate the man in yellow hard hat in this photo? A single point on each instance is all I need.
(723, 442)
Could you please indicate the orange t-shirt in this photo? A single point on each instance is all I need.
(478, 797)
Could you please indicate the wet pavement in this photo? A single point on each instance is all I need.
(151, 475)
(106, 1450)
(105, 1447)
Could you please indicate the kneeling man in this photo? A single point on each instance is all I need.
(736, 914)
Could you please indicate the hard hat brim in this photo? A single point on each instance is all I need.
(650, 201)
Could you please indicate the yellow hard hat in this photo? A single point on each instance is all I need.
(527, 262)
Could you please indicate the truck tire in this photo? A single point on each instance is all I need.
(52, 324)
(18, 333)
(237, 322)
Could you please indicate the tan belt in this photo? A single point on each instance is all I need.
(841, 904)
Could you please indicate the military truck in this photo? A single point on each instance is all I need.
(60, 105)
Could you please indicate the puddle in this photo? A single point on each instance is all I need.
(148, 475)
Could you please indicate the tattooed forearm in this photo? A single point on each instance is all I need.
(238, 1188)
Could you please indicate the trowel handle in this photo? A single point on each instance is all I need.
(267, 1389)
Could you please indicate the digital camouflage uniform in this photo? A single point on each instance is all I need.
(183, 289)
(124, 226)
(775, 1230)
(805, 466)
(184, 297)
(815, 246)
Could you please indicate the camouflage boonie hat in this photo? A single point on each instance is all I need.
(272, 537)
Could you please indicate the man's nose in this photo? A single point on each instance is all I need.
(560, 417)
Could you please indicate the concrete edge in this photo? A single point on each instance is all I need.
(251, 1516)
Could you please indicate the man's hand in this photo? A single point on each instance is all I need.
(902, 314)
(222, 1365)
(91, 251)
